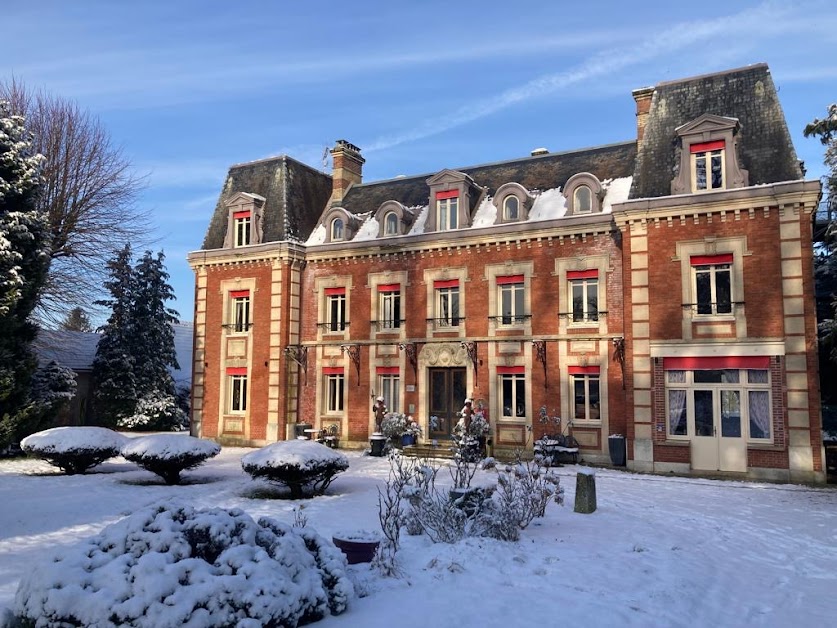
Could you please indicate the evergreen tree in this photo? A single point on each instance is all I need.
(77, 320)
(24, 261)
(113, 367)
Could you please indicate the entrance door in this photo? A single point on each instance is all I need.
(718, 443)
(448, 391)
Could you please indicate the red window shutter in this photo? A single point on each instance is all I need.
(448, 194)
(583, 274)
(446, 283)
(330, 292)
(389, 287)
(703, 260)
(511, 370)
(583, 370)
(332, 370)
(244, 214)
(239, 294)
(704, 147)
(387, 370)
(716, 362)
(236, 370)
(501, 281)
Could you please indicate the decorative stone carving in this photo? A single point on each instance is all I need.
(443, 354)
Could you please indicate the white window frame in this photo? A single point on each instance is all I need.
(516, 293)
(706, 157)
(335, 313)
(389, 387)
(587, 316)
(446, 294)
(238, 400)
(507, 217)
(713, 270)
(240, 310)
(243, 231)
(389, 310)
(447, 213)
(337, 230)
(391, 224)
(517, 403)
(577, 204)
(586, 379)
(335, 390)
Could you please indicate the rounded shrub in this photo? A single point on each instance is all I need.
(74, 449)
(168, 455)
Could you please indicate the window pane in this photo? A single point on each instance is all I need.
(700, 171)
(508, 397)
(703, 283)
(578, 301)
(731, 413)
(759, 410)
(677, 412)
(592, 300)
(520, 395)
(717, 172)
(704, 413)
(518, 302)
(593, 390)
(506, 304)
(723, 291)
(391, 225)
(583, 200)
(676, 377)
(757, 376)
(717, 376)
(580, 398)
(511, 208)
(454, 213)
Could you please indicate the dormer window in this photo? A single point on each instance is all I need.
(337, 229)
(707, 166)
(511, 209)
(241, 227)
(447, 210)
(584, 194)
(391, 224)
(582, 200)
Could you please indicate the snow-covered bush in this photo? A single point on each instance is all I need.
(306, 467)
(396, 424)
(174, 565)
(168, 455)
(156, 411)
(74, 449)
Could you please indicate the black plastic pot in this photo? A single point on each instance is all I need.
(617, 450)
(356, 551)
(377, 444)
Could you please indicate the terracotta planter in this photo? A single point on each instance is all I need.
(356, 551)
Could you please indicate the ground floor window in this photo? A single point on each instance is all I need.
(585, 393)
(726, 402)
(389, 385)
(334, 387)
(512, 392)
(238, 392)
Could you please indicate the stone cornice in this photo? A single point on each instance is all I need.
(267, 252)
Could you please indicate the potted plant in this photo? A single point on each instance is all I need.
(616, 444)
(396, 425)
(359, 546)
(411, 433)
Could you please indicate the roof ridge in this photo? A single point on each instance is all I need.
(700, 77)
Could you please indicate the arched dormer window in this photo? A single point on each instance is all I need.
(513, 202)
(393, 219)
(584, 194)
(337, 230)
(391, 224)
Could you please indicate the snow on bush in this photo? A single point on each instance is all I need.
(168, 455)
(74, 449)
(174, 565)
(155, 411)
(306, 467)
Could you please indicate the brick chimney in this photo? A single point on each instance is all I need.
(347, 168)
(642, 96)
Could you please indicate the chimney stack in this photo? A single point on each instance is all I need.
(642, 96)
(347, 169)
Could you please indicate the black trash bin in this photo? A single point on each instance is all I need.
(617, 450)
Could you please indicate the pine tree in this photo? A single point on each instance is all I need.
(113, 367)
(77, 320)
(24, 261)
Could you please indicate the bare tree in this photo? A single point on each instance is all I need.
(89, 193)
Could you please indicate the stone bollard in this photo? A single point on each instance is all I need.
(585, 491)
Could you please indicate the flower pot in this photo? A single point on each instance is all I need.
(616, 444)
(356, 551)
(377, 443)
(408, 439)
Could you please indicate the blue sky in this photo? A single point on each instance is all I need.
(188, 88)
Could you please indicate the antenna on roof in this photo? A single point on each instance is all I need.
(325, 158)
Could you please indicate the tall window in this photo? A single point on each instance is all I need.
(334, 388)
(706, 399)
(511, 299)
(712, 277)
(447, 210)
(237, 390)
(512, 391)
(511, 208)
(582, 200)
(335, 309)
(584, 381)
(391, 224)
(584, 292)
(389, 316)
(708, 166)
(389, 385)
(240, 311)
(241, 225)
(337, 230)
(447, 303)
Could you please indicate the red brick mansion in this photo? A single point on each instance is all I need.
(659, 288)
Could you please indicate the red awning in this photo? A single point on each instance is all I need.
(511, 370)
(509, 279)
(446, 283)
(334, 291)
(704, 147)
(389, 287)
(447, 194)
(583, 274)
(704, 260)
(332, 370)
(236, 370)
(716, 362)
(387, 370)
(238, 294)
(583, 370)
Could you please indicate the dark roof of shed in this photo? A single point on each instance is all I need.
(294, 194)
(748, 94)
(541, 172)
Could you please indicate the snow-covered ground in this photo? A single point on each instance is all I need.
(659, 551)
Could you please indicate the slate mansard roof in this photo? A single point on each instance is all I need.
(294, 194)
(748, 94)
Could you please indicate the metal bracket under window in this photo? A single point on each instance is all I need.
(353, 352)
(299, 354)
